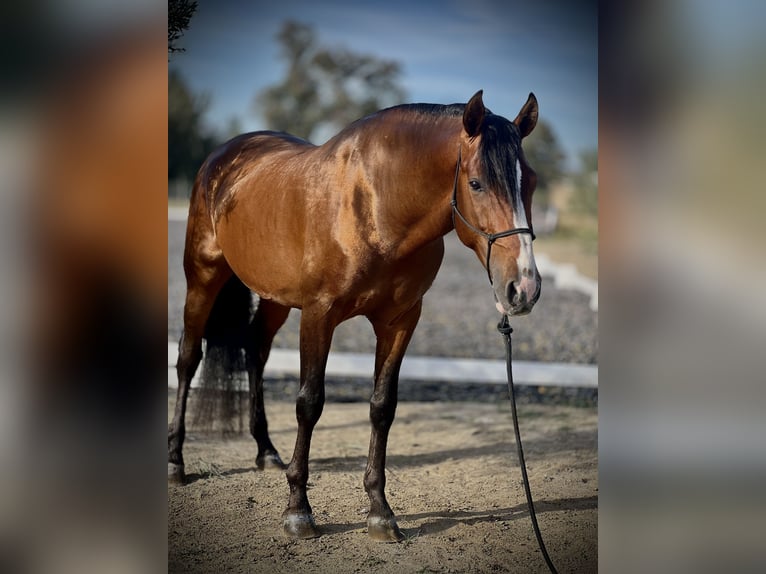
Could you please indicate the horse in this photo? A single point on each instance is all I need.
(351, 227)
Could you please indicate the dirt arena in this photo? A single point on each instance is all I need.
(453, 482)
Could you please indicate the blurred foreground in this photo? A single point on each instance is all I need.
(83, 129)
(682, 451)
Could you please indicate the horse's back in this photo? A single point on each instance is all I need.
(233, 161)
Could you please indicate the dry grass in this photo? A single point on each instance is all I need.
(576, 238)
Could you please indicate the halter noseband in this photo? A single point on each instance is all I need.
(490, 237)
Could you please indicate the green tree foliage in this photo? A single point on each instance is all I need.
(180, 13)
(188, 141)
(325, 86)
(585, 196)
(544, 154)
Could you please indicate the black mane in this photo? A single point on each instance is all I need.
(437, 110)
(499, 147)
(498, 151)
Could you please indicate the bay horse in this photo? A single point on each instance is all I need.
(352, 227)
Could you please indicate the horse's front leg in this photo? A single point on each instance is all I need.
(316, 335)
(393, 338)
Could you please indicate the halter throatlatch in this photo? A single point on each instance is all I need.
(490, 237)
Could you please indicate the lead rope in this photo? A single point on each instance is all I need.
(504, 328)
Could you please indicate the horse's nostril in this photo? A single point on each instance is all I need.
(516, 296)
(511, 292)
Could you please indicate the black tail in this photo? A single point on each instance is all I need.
(222, 395)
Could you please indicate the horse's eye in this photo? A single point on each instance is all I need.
(475, 184)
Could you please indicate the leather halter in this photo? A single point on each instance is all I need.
(490, 237)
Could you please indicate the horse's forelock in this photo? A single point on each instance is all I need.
(499, 152)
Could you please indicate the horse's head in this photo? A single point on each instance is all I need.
(492, 200)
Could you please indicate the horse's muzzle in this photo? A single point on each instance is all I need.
(520, 296)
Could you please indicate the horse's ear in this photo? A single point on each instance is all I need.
(473, 115)
(527, 118)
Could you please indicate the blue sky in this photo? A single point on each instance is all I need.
(447, 49)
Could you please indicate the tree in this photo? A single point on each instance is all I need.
(325, 87)
(544, 154)
(585, 196)
(188, 141)
(180, 13)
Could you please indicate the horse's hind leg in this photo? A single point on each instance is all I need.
(393, 338)
(202, 290)
(268, 319)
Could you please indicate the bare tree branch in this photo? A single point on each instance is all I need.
(180, 13)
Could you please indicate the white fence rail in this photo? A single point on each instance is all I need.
(359, 365)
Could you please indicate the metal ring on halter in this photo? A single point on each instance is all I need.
(490, 237)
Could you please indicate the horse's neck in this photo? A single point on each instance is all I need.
(419, 199)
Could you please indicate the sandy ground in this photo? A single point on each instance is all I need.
(453, 482)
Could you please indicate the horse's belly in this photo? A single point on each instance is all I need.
(269, 267)
(403, 282)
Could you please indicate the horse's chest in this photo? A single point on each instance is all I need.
(398, 281)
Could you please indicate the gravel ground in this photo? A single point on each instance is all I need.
(458, 320)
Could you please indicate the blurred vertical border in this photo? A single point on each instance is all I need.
(83, 163)
(681, 385)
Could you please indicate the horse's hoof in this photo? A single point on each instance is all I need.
(384, 529)
(269, 461)
(176, 473)
(300, 526)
